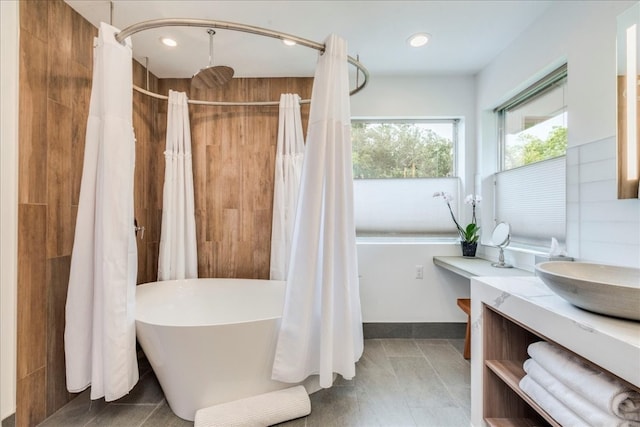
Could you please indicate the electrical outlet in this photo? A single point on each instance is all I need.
(419, 271)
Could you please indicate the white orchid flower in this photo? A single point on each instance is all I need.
(472, 200)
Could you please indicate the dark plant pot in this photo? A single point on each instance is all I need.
(469, 249)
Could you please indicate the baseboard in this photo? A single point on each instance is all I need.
(439, 330)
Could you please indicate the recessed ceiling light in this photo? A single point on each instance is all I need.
(169, 42)
(419, 39)
(288, 42)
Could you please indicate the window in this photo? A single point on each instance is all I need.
(533, 124)
(397, 166)
(403, 149)
(530, 188)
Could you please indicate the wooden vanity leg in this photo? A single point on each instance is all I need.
(465, 305)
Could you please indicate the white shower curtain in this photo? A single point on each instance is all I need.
(100, 339)
(321, 330)
(289, 156)
(178, 257)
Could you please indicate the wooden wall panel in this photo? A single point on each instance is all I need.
(34, 19)
(57, 281)
(59, 53)
(147, 193)
(81, 87)
(233, 163)
(82, 42)
(32, 114)
(54, 91)
(33, 389)
(32, 291)
(60, 223)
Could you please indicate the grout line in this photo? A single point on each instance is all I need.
(405, 404)
(444, 383)
(152, 412)
(134, 404)
(96, 414)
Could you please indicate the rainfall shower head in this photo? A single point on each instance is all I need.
(211, 77)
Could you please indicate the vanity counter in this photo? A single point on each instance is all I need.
(475, 267)
(611, 344)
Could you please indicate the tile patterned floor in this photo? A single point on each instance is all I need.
(398, 383)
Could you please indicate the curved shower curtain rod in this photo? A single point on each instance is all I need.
(187, 22)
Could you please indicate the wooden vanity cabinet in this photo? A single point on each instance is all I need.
(505, 350)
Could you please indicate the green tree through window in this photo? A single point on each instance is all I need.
(400, 150)
(531, 149)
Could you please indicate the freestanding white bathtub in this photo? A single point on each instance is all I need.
(211, 341)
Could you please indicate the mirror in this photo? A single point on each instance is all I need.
(627, 45)
(501, 239)
(500, 234)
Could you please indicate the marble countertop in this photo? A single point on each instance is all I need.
(476, 267)
(613, 344)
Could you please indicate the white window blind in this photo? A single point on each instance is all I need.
(404, 207)
(532, 200)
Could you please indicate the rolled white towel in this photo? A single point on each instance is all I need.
(575, 402)
(550, 404)
(600, 388)
(257, 411)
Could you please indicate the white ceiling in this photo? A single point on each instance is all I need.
(466, 35)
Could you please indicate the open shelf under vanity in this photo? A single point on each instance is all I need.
(505, 343)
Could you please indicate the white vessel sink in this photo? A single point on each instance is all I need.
(604, 289)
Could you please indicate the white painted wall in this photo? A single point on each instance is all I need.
(583, 35)
(388, 287)
(390, 291)
(425, 97)
(9, 47)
